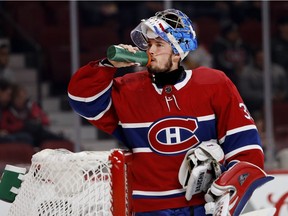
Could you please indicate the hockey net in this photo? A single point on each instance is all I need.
(62, 183)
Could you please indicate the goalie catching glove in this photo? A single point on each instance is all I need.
(237, 183)
(201, 165)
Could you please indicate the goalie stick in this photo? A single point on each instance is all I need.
(261, 212)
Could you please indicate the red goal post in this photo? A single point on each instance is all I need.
(121, 185)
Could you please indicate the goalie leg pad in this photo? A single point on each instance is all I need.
(257, 183)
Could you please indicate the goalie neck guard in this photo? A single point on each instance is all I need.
(171, 25)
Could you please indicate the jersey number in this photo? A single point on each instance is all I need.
(245, 110)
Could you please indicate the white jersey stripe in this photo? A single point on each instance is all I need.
(249, 147)
(147, 124)
(206, 118)
(89, 99)
(135, 125)
(158, 193)
(237, 130)
(141, 150)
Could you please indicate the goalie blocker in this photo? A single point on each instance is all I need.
(240, 181)
(200, 167)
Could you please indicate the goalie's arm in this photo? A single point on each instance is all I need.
(236, 129)
(89, 93)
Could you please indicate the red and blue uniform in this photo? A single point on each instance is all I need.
(160, 124)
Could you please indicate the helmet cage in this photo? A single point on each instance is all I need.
(179, 32)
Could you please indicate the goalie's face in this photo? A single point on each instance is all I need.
(162, 57)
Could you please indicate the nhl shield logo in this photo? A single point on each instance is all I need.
(173, 135)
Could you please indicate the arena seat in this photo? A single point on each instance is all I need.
(280, 115)
(15, 153)
(208, 30)
(251, 32)
(280, 124)
(56, 144)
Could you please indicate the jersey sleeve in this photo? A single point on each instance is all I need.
(89, 93)
(237, 132)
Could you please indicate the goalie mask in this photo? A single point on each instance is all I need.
(171, 25)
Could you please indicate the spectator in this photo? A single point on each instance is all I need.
(199, 57)
(251, 84)
(230, 53)
(5, 71)
(26, 116)
(279, 46)
(5, 94)
(96, 13)
(5, 100)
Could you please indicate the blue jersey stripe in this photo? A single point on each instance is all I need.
(240, 139)
(138, 135)
(93, 108)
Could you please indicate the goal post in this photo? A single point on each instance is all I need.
(121, 185)
(88, 183)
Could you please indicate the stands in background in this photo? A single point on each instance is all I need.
(15, 154)
(57, 144)
(280, 119)
(49, 26)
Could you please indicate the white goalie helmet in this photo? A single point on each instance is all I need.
(171, 25)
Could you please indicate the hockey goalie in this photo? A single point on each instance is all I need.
(189, 129)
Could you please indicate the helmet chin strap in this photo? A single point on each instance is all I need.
(176, 45)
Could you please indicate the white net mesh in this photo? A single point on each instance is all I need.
(62, 183)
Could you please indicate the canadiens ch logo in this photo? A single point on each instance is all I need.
(173, 135)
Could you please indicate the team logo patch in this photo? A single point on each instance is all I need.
(242, 178)
(173, 135)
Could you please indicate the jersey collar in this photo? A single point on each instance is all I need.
(179, 84)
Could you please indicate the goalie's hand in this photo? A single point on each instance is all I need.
(238, 183)
(200, 167)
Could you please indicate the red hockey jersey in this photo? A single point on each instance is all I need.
(159, 125)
